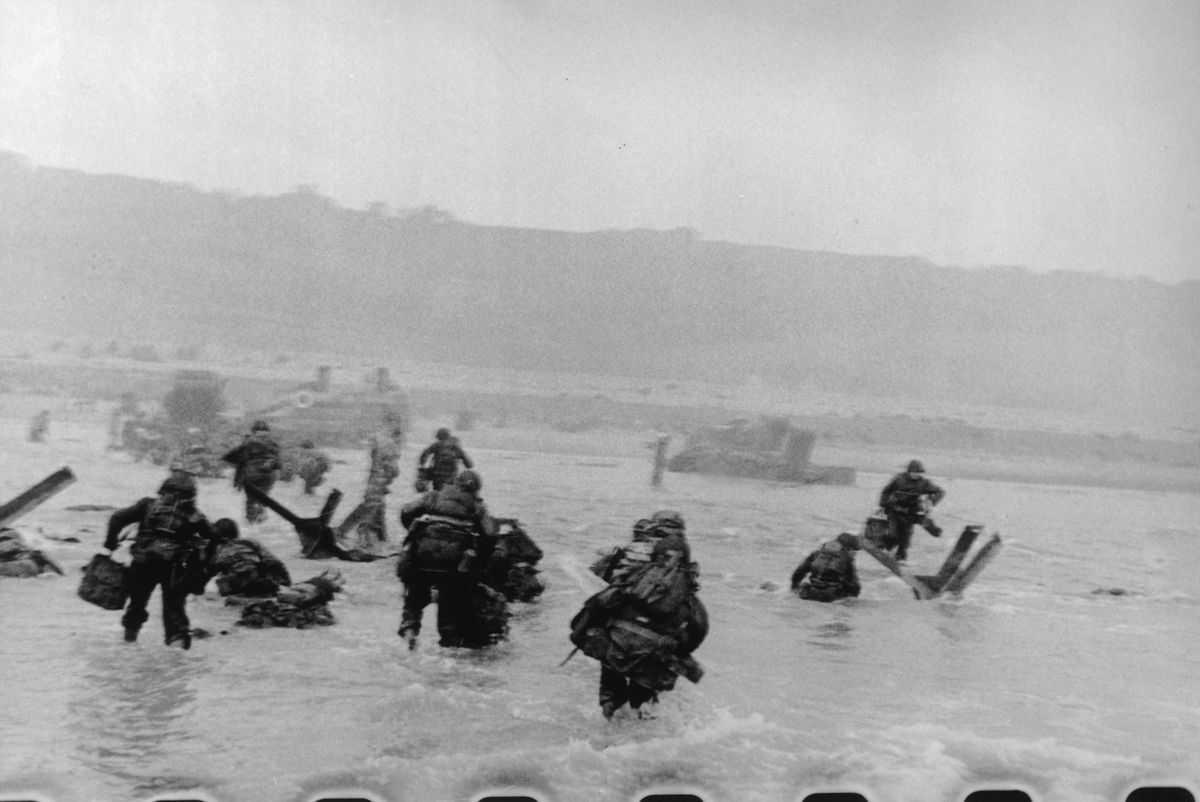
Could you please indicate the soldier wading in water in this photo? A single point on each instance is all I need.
(449, 547)
(167, 551)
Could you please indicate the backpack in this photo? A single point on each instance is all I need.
(165, 516)
(660, 589)
(439, 548)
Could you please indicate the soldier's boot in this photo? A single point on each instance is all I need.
(131, 634)
(409, 632)
(608, 709)
(180, 641)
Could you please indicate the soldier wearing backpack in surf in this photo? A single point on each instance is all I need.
(644, 627)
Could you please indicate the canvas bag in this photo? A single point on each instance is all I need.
(105, 583)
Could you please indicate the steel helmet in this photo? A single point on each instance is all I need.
(260, 426)
(179, 484)
(849, 541)
(916, 467)
(442, 433)
(668, 519)
(469, 481)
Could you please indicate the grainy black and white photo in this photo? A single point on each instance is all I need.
(584, 402)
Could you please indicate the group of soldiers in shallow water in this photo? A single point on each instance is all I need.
(642, 627)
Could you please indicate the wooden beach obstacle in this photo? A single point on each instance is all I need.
(34, 496)
(318, 540)
(953, 577)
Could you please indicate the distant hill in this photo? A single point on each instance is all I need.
(116, 257)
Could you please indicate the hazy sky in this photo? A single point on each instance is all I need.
(1054, 135)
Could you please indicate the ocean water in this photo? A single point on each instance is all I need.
(1032, 680)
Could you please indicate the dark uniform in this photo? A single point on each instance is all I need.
(443, 456)
(904, 501)
(258, 464)
(313, 465)
(449, 544)
(243, 566)
(384, 468)
(829, 573)
(169, 530)
(630, 677)
(513, 568)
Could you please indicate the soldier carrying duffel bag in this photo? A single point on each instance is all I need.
(167, 551)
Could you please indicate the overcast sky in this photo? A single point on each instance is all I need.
(1053, 135)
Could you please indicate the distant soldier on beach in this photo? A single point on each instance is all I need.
(257, 463)
(39, 426)
(443, 456)
(906, 501)
(312, 467)
(383, 470)
(828, 574)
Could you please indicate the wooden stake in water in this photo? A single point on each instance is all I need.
(660, 459)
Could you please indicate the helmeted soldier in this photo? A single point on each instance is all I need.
(828, 573)
(383, 470)
(170, 529)
(449, 546)
(647, 533)
(645, 625)
(243, 566)
(257, 463)
(312, 467)
(906, 501)
(443, 456)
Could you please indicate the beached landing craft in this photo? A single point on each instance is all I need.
(952, 578)
(335, 416)
(770, 448)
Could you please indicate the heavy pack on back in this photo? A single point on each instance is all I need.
(660, 589)
(440, 547)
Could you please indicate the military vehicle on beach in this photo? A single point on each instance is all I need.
(193, 430)
(335, 416)
(768, 448)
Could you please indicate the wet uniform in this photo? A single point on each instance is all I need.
(827, 574)
(444, 456)
(450, 512)
(168, 527)
(902, 500)
(385, 467)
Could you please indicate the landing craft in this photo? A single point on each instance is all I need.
(770, 448)
(336, 416)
